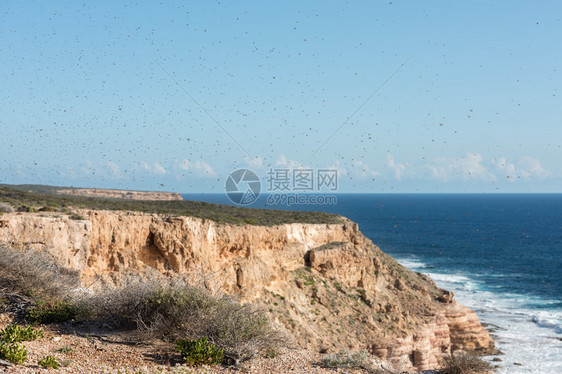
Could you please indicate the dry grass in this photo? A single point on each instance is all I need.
(465, 363)
(174, 309)
(347, 360)
(160, 308)
(33, 274)
(6, 208)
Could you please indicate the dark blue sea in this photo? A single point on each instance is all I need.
(500, 253)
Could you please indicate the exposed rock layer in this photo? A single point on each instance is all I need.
(326, 284)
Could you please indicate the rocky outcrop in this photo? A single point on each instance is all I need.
(326, 284)
(121, 194)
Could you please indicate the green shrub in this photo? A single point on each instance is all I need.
(49, 362)
(16, 334)
(465, 363)
(271, 353)
(76, 217)
(48, 209)
(26, 208)
(13, 352)
(199, 352)
(52, 312)
(66, 350)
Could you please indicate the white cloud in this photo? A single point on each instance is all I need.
(468, 167)
(198, 167)
(114, 169)
(289, 164)
(502, 164)
(526, 167)
(361, 169)
(155, 168)
(336, 166)
(398, 168)
(70, 172)
(19, 171)
(145, 166)
(531, 167)
(255, 162)
(281, 161)
(108, 169)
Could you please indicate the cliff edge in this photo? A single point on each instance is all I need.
(327, 285)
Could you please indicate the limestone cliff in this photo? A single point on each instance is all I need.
(121, 194)
(326, 284)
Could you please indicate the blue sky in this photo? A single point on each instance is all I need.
(140, 95)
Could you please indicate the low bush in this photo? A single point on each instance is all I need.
(49, 362)
(13, 352)
(34, 273)
(465, 363)
(242, 331)
(10, 338)
(52, 312)
(174, 309)
(347, 360)
(16, 334)
(76, 217)
(26, 208)
(158, 308)
(6, 208)
(48, 209)
(199, 352)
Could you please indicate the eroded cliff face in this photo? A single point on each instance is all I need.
(327, 285)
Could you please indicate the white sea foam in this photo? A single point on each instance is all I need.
(530, 338)
(547, 320)
(412, 263)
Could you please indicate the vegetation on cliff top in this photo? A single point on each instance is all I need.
(31, 198)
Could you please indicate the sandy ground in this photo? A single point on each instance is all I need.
(80, 351)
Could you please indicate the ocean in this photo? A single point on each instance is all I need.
(501, 254)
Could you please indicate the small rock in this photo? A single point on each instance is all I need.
(517, 364)
(399, 284)
(6, 363)
(57, 338)
(367, 300)
(447, 297)
(321, 296)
